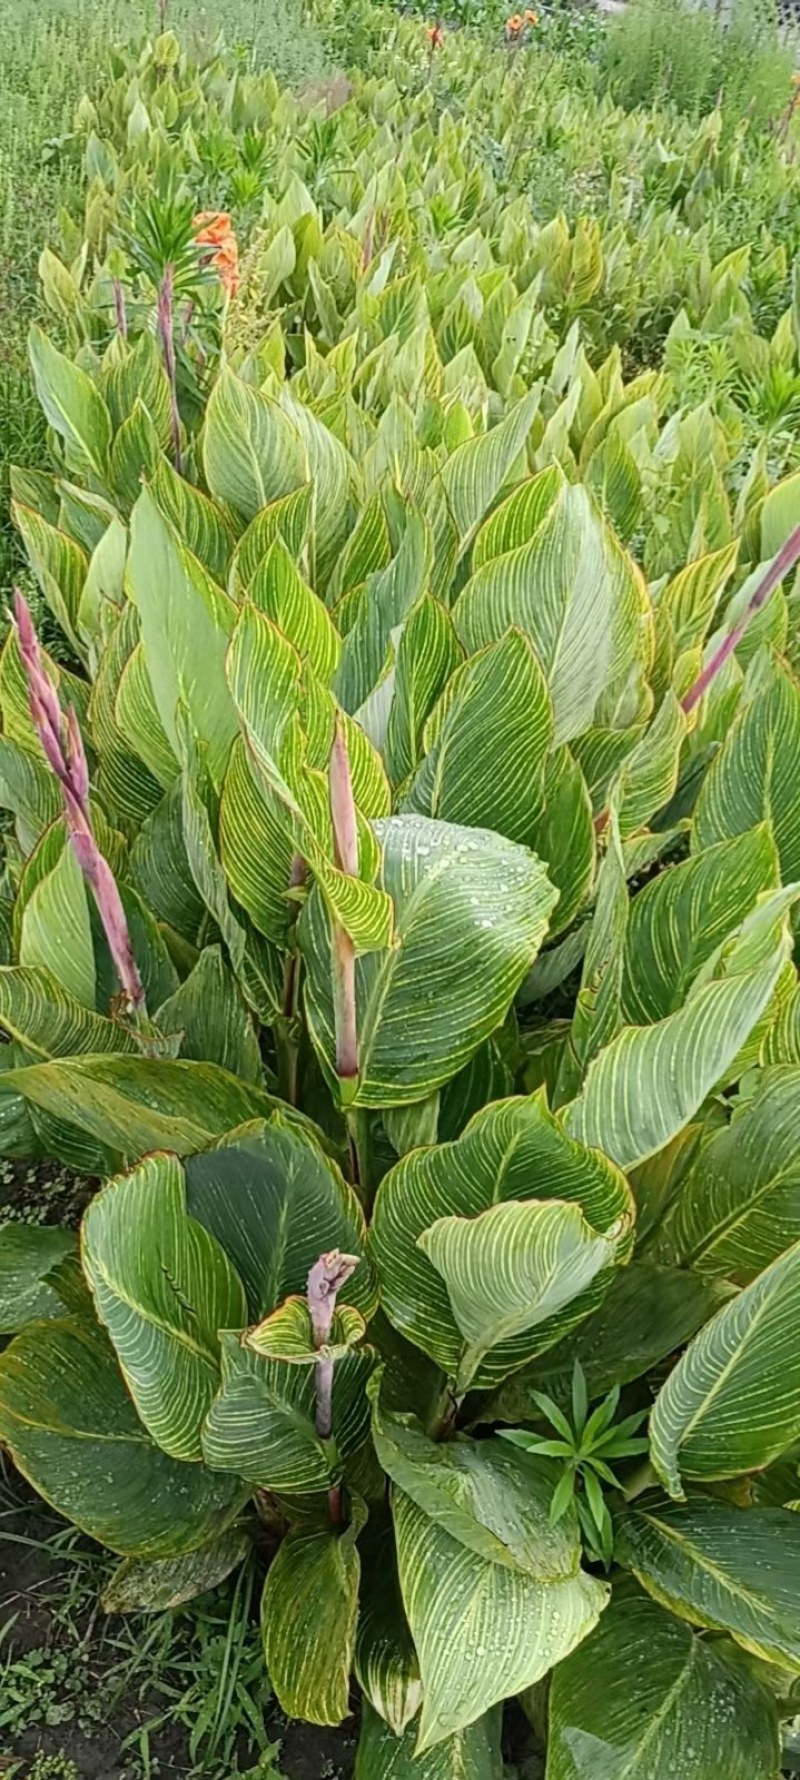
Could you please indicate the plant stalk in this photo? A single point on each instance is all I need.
(166, 321)
(772, 577)
(326, 1278)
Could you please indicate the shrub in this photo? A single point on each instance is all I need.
(688, 56)
(401, 929)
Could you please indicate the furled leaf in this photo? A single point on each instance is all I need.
(732, 1403)
(513, 1152)
(645, 1696)
(385, 1659)
(163, 1287)
(261, 1424)
(72, 1430)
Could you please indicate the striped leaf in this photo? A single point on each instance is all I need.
(196, 519)
(256, 848)
(60, 567)
(278, 590)
(56, 930)
(72, 404)
(754, 775)
(597, 1015)
(163, 1287)
(481, 1630)
(575, 593)
(512, 1269)
(137, 719)
(39, 1014)
(470, 911)
(649, 774)
(252, 453)
(287, 518)
(516, 1152)
(676, 923)
(515, 520)
(159, 868)
(261, 1423)
(645, 1696)
(287, 1334)
(649, 1081)
(490, 1496)
(385, 1659)
(136, 1104)
(427, 655)
(28, 1253)
(564, 837)
(72, 1430)
(210, 1014)
(732, 1403)
(472, 1754)
(328, 466)
(739, 1204)
(731, 1569)
(486, 743)
(275, 1202)
(390, 596)
(134, 456)
(474, 474)
(165, 1583)
(185, 624)
(308, 1623)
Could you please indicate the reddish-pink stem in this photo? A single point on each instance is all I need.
(165, 328)
(785, 560)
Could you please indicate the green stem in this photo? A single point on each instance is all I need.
(359, 1132)
(287, 1033)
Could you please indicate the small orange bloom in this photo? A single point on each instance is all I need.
(514, 24)
(435, 36)
(531, 18)
(212, 227)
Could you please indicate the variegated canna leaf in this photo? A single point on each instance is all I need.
(308, 1621)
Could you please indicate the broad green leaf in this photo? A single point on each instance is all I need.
(516, 519)
(308, 1622)
(60, 567)
(754, 775)
(576, 594)
(287, 518)
(256, 848)
(513, 1268)
(678, 920)
(72, 403)
(159, 868)
(470, 913)
(647, 1313)
(597, 1015)
(136, 1104)
(514, 1151)
(564, 837)
(279, 591)
(731, 1569)
(328, 466)
(645, 1696)
(472, 1754)
(37, 1013)
(649, 1081)
(138, 721)
(276, 1202)
(56, 933)
(738, 1208)
(134, 456)
(28, 1253)
(72, 1430)
(732, 1403)
(162, 1584)
(488, 1495)
(185, 622)
(649, 774)
(163, 1287)
(252, 452)
(473, 476)
(481, 1630)
(389, 597)
(261, 1424)
(215, 1023)
(486, 743)
(385, 1659)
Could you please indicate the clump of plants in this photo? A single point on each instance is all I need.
(400, 924)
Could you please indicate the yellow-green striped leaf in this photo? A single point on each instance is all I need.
(287, 518)
(563, 836)
(162, 1584)
(278, 590)
(470, 913)
(197, 520)
(210, 1014)
(427, 654)
(644, 1696)
(472, 1754)
(481, 1630)
(72, 403)
(514, 1151)
(252, 452)
(261, 1424)
(753, 777)
(308, 1622)
(163, 1288)
(385, 1659)
(56, 932)
(72, 1430)
(41, 1015)
(732, 1403)
(474, 474)
(731, 1569)
(650, 1080)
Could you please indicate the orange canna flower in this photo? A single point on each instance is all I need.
(531, 18)
(435, 36)
(514, 24)
(212, 227)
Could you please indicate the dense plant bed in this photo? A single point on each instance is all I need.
(399, 924)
